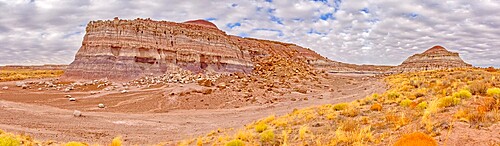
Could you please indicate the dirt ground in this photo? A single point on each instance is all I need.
(149, 115)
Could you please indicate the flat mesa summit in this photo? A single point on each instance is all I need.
(127, 49)
(435, 58)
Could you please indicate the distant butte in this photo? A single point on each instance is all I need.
(435, 58)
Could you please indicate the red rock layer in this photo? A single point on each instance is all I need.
(128, 49)
(435, 58)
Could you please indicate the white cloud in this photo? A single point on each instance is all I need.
(367, 32)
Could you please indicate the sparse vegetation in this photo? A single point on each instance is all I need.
(261, 127)
(267, 136)
(22, 74)
(379, 119)
(478, 87)
(405, 103)
(494, 92)
(235, 142)
(413, 101)
(8, 140)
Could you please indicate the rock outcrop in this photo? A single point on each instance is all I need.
(435, 58)
(128, 49)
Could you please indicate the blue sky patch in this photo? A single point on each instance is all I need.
(210, 19)
(365, 10)
(232, 25)
(326, 16)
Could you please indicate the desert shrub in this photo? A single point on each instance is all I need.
(462, 115)
(244, 135)
(416, 139)
(462, 94)
(199, 141)
(448, 101)
(340, 106)
(6, 140)
(422, 105)
(405, 103)
(486, 104)
(376, 107)
(117, 141)
(302, 132)
(235, 142)
(393, 95)
(494, 92)
(419, 94)
(350, 111)
(267, 136)
(478, 88)
(260, 127)
(491, 69)
(75, 144)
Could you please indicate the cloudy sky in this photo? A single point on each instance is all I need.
(353, 31)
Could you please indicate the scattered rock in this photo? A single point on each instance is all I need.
(77, 113)
(19, 84)
(205, 82)
(67, 96)
(124, 91)
(25, 86)
(100, 105)
(93, 92)
(72, 99)
(5, 88)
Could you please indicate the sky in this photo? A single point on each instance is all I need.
(382, 32)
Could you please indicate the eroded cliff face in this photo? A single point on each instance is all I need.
(435, 58)
(128, 49)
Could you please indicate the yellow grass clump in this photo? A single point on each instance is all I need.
(235, 142)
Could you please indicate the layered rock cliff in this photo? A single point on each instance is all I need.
(127, 49)
(435, 58)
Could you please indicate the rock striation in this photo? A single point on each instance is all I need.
(127, 49)
(435, 58)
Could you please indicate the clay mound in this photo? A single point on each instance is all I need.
(201, 22)
(435, 58)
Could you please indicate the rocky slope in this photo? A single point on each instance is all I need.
(434, 58)
(128, 49)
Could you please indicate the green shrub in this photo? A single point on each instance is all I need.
(267, 136)
(260, 127)
(448, 101)
(405, 103)
(422, 105)
(494, 92)
(340, 106)
(235, 142)
(6, 140)
(462, 94)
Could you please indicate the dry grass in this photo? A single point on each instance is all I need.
(22, 74)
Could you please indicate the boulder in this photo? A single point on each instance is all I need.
(77, 113)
